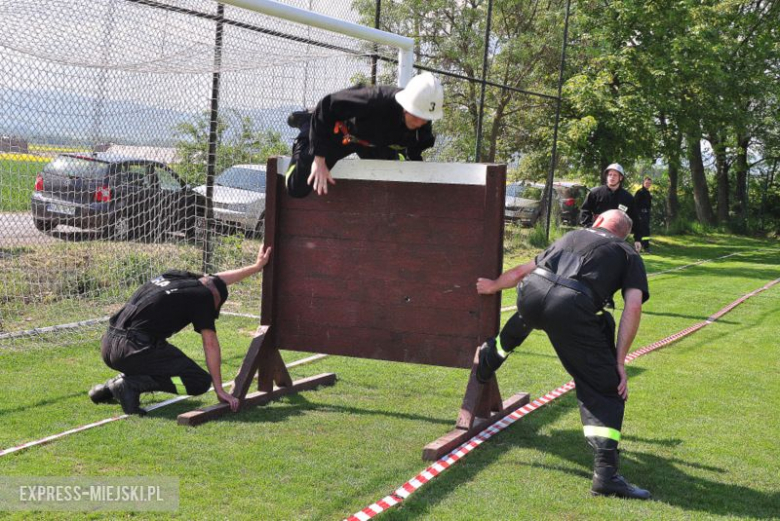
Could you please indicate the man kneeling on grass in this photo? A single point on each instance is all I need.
(136, 344)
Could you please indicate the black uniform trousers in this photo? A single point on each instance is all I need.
(644, 226)
(133, 353)
(299, 171)
(584, 340)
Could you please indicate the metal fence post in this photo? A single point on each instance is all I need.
(478, 151)
(208, 247)
(377, 21)
(551, 174)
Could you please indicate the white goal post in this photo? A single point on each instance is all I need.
(404, 44)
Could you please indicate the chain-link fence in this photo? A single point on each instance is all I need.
(135, 135)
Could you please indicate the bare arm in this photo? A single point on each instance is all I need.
(506, 280)
(320, 176)
(237, 275)
(214, 365)
(629, 325)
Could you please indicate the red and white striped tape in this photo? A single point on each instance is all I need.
(414, 484)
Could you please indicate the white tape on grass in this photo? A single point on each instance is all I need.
(154, 407)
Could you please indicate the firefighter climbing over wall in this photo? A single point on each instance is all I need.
(374, 122)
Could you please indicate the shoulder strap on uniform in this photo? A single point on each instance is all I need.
(608, 238)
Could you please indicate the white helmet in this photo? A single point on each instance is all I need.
(616, 167)
(422, 97)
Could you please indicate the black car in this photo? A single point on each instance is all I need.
(122, 197)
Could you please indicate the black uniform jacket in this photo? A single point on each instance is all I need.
(597, 258)
(643, 199)
(169, 303)
(601, 199)
(371, 114)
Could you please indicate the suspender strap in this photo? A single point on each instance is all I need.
(135, 335)
(567, 282)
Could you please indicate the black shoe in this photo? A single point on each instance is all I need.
(100, 393)
(617, 486)
(607, 481)
(489, 361)
(299, 118)
(127, 394)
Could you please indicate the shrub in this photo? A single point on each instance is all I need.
(134, 269)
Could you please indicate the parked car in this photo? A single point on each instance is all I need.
(523, 203)
(239, 198)
(571, 195)
(122, 197)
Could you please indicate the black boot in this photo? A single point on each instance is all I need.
(489, 361)
(101, 393)
(298, 118)
(127, 390)
(607, 481)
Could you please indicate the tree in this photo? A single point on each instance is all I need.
(646, 81)
(243, 144)
(682, 66)
(524, 53)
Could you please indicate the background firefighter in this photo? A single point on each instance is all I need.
(644, 202)
(564, 292)
(611, 196)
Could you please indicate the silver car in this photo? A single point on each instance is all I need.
(239, 198)
(523, 203)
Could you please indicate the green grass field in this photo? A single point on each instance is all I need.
(57, 283)
(701, 432)
(17, 182)
(18, 172)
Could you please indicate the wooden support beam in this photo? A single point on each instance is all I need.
(482, 407)
(250, 364)
(211, 412)
(272, 370)
(480, 400)
(456, 437)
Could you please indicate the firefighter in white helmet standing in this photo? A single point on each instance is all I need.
(374, 122)
(611, 196)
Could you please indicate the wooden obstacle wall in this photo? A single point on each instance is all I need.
(385, 265)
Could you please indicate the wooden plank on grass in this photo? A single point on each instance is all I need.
(204, 414)
(440, 447)
(249, 366)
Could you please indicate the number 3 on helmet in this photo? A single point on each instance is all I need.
(422, 97)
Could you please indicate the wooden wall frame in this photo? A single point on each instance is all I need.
(383, 267)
